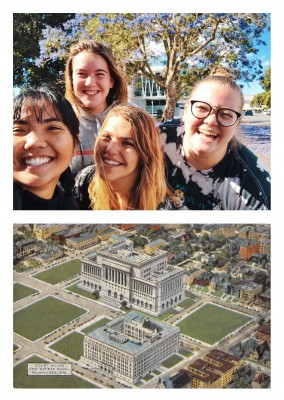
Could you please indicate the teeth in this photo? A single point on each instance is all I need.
(37, 161)
(112, 163)
(88, 92)
(208, 133)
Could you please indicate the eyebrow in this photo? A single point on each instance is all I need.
(45, 121)
(96, 70)
(119, 138)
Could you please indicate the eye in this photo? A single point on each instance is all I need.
(17, 129)
(128, 143)
(227, 114)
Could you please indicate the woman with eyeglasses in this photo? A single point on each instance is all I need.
(205, 163)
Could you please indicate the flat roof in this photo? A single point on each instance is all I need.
(130, 345)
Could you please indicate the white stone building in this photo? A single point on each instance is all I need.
(144, 281)
(131, 346)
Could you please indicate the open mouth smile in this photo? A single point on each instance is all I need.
(37, 161)
(90, 92)
(112, 163)
(208, 134)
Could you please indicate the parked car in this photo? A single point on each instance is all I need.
(248, 112)
(266, 112)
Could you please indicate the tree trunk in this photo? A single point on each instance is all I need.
(171, 100)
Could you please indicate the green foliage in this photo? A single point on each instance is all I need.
(263, 100)
(27, 33)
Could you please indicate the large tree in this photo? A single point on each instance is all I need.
(27, 33)
(188, 45)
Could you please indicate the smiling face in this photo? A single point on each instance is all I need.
(205, 141)
(116, 154)
(91, 81)
(42, 150)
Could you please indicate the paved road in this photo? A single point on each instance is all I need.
(263, 120)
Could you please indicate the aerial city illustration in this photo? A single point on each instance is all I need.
(142, 306)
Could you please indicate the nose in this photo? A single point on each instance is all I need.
(89, 81)
(34, 140)
(212, 118)
(112, 146)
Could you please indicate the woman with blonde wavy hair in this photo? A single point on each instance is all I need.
(129, 167)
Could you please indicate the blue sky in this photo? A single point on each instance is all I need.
(265, 56)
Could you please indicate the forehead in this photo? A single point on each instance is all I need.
(85, 59)
(217, 94)
(118, 126)
(38, 110)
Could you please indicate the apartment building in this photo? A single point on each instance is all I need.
(215, 370)
(44, 231)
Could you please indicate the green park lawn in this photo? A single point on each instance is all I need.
(44, 316)
(84, 293)
(21, 291)
(60, 273)
(96, 325)
(71, 345)
(22, 380)
(171, 361)
(211, 323)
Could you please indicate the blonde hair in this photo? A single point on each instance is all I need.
(118, 93)
(151, 187)
(221, 75)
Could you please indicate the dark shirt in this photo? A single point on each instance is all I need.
(238, 182)
(25, 200)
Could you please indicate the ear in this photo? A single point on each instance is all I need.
(111, 85)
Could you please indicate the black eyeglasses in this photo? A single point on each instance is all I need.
(225, 116)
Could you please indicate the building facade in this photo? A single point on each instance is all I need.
(215, 370)
(143, 281)
(131, 346)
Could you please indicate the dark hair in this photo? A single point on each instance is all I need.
(118, 93)
(35, 99)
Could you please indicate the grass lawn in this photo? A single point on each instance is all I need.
(187, 302)
(21, 291)
(60, 273)
(22, 380)
(166, 314)
(96, 325)
(217, 294)
(148, 377)
(84, 293)
(171, 361)
(71, 345)
(44, 316)
(185, 352)
(211, 323)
